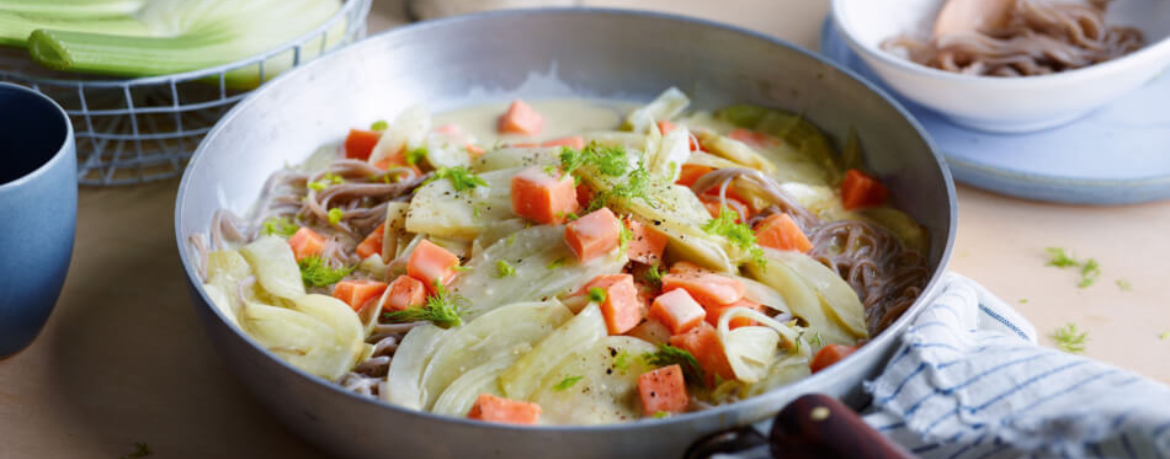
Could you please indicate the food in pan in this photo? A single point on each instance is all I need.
(1020, 38)
(568, 262)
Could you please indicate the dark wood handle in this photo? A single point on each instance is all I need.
(817, 426)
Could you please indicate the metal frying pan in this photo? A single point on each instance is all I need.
(538, 54)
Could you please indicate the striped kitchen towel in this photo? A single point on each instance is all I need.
(969, 382)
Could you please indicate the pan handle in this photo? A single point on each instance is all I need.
(814, 426)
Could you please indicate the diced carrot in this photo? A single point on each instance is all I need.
(430, 263)
(356, 293)
(523, 145)
(703, 343)
(829, 355)
(710, 290)
(753, 138)
(306, 243)
(491, 408)
(405, 293)
(584, 195)
(360, 143)
(474, 150)
(686, 267)
(398, 159)
(715, 206)
(573, 141)
(646, 243)
(714, 312)
(593, 235)
(677, 310)
(860, 190)
(372, 244)
(521, 118)
(665, 127)
(546, 199)
(663, 390)
(621, 308)
(690, 173)
(780, 231)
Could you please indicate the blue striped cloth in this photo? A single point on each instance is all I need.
(969, 382)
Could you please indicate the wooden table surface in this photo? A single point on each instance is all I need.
(123, 360)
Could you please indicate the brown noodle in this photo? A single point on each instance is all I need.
(1042, 37)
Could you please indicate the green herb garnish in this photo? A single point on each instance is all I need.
(335, 215)
(503, 269)
(653, 275)
(141, 449)
(1069, 339)
(416, 155)
(1090, 271)
(567, 383)
(1060, 258)
(637, 185)
(670, 355)
(661, 414)
(461, 178)
(1023, 301)
(622, 361)
(739, 234)
(556, 263)
(278, 226)
(442, 308)
(609, 160)
(379, 125)
(511, 240)
(1164, 336)
(625, 236)
(597, 295)
(328, 179)
(460, 269)
(1124, 285)
(315, 272)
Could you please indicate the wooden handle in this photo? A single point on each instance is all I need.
(817, 426)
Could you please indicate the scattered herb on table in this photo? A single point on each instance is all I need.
(1070, 339)
(1090, 270)
(141, 449)
(1124, 285)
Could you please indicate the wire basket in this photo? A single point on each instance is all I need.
(145, 129)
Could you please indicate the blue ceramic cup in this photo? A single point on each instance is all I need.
(38, 211)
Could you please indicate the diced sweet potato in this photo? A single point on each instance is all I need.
(360, 143)
(306, 243)
(686, 267)
(714, 312)
(830, 355)
(708, 289)
(430, 263)
(521, 118)
(593, 235)
(690, 173)
(543, 198)
(646, 243)
(573, 141)
(372, 244)
(663, 390)
(491, 408)
(860, 190)
(677, 310)
(356, 293)
(780, 231)
(622, 309)
(405, 293)
(704, 344)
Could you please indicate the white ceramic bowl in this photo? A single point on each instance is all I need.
(996, 104)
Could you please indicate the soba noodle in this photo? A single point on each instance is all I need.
(1041, 37)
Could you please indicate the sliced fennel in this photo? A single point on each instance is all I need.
(494, 333)
(514, 158)
(404, 380)
(577, 335)
(810, 303)
(606, 393)
(225, 270)
(407, 132)
(843, 304)
(751, 350)
(161, 37)
(318, 337)
(666, 106)
(439, 210)
(276, 267)
(460, 395)
(530, 253)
